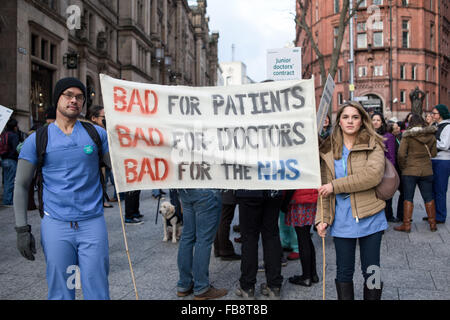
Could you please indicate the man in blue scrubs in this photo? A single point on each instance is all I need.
(73, 228)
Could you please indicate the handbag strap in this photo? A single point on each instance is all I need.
(426, 147)
(428, 150)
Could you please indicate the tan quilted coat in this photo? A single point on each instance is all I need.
(365, 168)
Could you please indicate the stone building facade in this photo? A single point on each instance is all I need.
(152, 41)
(398, 45)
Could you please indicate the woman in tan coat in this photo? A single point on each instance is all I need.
(352, 165)
(417, 148)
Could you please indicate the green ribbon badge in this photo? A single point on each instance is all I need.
(88, 149)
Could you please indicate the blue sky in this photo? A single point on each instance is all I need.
(253, 26)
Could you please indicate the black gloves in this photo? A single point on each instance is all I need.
(25, 242)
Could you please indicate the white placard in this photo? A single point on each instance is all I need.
(5, 114)
(325, 102)
(253, 136)
(284, 64)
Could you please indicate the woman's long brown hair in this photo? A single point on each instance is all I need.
(337, 139)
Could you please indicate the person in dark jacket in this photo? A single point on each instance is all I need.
(441, 163)
(417, 147)
(258, 215)
(9, 161)
(223, 247)
(379, 124)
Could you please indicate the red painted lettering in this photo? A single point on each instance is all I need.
(124, 136)
(120, 98)
(130, 170)
(128, 140)
(157, 169)
(147, 103)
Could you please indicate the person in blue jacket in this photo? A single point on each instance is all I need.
(73, 228)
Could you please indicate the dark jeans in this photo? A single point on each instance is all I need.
(201, 210)
(307, 251)
(441, 170)
(132, 204)
(369, 248)
(175, 201)
(425, 186)
(388, 210)
(222, 243)
(260, 216)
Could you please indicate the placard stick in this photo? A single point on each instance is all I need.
(323, 254)
(126, 249)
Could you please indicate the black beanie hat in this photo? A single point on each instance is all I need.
(443, 111)
(64, 84)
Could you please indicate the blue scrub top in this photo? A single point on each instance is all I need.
(72, 188)
(344, 225)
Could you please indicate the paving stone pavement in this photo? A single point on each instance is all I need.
(414, 266)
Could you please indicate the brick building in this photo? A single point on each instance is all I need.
(392, 56)
(152, 41)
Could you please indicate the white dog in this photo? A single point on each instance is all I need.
(167, 210)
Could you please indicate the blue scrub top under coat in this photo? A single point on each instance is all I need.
(72, 188)
(344, 225)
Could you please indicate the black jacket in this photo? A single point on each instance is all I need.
(13, 141)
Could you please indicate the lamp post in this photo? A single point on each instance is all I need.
(167, 65)
(159, 56)
(351, 60)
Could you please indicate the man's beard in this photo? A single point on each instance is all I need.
(68, 113)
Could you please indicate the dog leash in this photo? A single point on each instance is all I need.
(157, 209)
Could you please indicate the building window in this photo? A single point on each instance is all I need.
(140, 12)
(317, 11)
(405, 3)
(336, 6)
(432, 36)
(339, 75)
(377, 2)
(402, 96)
(335, 36)
(414, 72)
(378, 71)
(378, 39)
(363, 4)
(362, 71)
(361, 38)
(405, 34)
(50, 3)
(402, 71)
(427, 73)
(34, 44)
(361, 27)
(340, 98)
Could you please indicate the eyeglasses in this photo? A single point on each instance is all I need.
(70, 96)
(435, 112)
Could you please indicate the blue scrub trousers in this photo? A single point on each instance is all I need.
(83, 244)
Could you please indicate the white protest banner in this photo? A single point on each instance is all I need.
(284, 64)
(5, 114)
(325, 101)
(254, 136)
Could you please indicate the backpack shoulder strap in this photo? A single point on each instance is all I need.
(41, 146)
(93, 133)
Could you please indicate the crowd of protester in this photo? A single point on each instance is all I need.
(352, 152)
